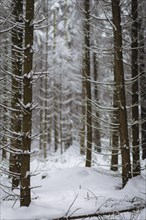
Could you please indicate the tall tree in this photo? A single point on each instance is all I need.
(17, 42)
(135, 95)
(25, 193)
(45, 122)
(84, 113)
(120, 92)
(55, 92)
(97, 138)
(142, 7)
(88, 81)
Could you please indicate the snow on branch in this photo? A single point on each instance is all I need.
(98, 214)
(8, 29)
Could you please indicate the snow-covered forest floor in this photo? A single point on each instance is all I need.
(62, 186)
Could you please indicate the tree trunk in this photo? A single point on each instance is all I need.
(56, 114)
(60, 118)
(135, 96)
(41, 110)
(25, 194)
(46, 130)
(88, 83)
(56, 119)
(41, 117)
(115, 136)
(97, 125)
(142, 77)
(16, 126)
(84, 110)
(120, 92)
(4, 138)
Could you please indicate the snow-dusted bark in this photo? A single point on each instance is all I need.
(17, 62)
(120, 92)
(46, 130)
(87, 79)
(115, 136)
(84, 111)
(25, 191)
(135, 88)
(97, 135)
(142, 71)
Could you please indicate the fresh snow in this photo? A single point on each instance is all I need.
(63, 186)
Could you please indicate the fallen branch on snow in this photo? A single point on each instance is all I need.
(132, 208)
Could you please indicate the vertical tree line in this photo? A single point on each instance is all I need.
(129, 167)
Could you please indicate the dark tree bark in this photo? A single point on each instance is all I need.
(41, 84)
(115, 136)
(88, 83)
(68, 126)
(135, 95)
(41, 115)
(142, 7)
(56, 119)
(16, 122)
(4, 113)
(5, 121)
(120, 92)
(45, 126)
(83, 126)
(97, 125)
(25, 193)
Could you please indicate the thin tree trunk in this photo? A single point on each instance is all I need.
(56, 133)
(25, 193)
(83, 126)
(56, 122)
(135, 96)
(45, 127)
(120, 92)
(41, 104)
(16, 126)
(142, 78)
(41, 115)
(88, 83)
(115, 137)
(97, 140)
(60, 118)
(47, 130)
(4, 121)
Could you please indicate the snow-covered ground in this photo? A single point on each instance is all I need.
(64, 187)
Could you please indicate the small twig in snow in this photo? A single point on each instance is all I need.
(71, 205)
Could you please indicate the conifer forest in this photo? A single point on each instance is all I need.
(72, 109)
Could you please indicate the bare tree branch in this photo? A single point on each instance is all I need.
(131, 208)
